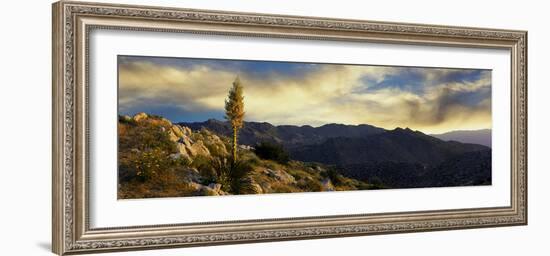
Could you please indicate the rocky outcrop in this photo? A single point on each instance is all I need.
(189, 143)
(177, 132)
(188, 147)
(213, 142)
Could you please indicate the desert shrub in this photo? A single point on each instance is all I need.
(235, 177)
(335, 177)
(214, 150)
(152, 173)
(204, 165)
(283, 188)
(126, 120)
(250, 158)
(200, 162)
(166, 184)
(312, 185)
(204, 132)
(375, 183)
(154, 116)
(311, 165)
(207, 180)
(364, 186)
(144, 136)
(298, 174)
(181, 161)
(143, 165)
(270, 164)
(227, 142)
(272, 151)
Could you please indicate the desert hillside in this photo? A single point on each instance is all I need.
(160, 159)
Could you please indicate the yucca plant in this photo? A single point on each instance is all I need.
(234, 112)
(234, 176)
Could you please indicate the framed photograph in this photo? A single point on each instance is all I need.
(178, 127)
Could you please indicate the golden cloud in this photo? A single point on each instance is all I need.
(328, 94)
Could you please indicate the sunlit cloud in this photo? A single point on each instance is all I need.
(428, 99)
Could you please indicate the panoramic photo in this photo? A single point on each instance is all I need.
(213, 127)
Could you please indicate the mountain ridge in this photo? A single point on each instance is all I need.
(287, 135)
(481, 137)
(398, 145)
(400, 157)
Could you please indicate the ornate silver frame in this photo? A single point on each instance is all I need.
(72, 22)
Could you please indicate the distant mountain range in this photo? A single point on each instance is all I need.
(481, 137)
(398, 145)
(287, 135)
(394, 158)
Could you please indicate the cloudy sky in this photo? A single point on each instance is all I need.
(432, 100)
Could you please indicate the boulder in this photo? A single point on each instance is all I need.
(140, 116)
(186, 130)
(182, 151)
(198, 148)
(173, 136)
(186, 146)
(177, 131)
(187, 141)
